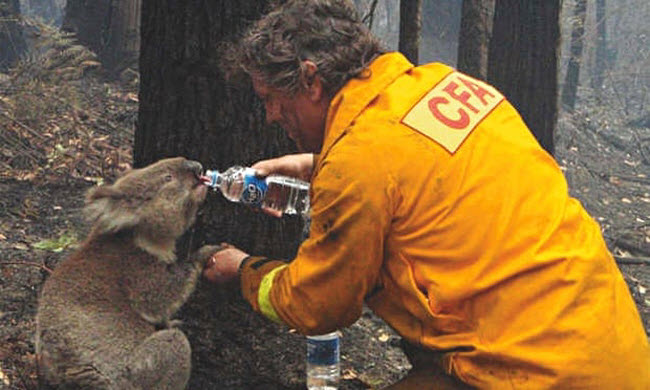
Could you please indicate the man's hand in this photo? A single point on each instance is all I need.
(299, 166)
(224, 264)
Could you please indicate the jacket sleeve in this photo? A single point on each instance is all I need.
(253, 270)
(323, 288)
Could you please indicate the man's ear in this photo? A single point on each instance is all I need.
(311, 81)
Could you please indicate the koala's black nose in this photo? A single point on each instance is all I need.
(194, 167)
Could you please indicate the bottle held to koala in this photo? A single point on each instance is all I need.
(279, 193)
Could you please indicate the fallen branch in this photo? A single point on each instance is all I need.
(24, 126)
(18, 145)
(639, 142)
(633, 246)
(642, 180)
(631, 260)
(30, 263)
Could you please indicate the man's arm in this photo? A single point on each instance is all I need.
(324, 287)
(299, 166)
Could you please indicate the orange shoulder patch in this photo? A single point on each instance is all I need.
(452, 109)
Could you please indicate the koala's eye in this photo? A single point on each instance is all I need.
(169, 177)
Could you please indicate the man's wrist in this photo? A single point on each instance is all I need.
(243, 264)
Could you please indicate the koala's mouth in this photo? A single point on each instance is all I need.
(201, 179)
(200, 188)
(204, 179)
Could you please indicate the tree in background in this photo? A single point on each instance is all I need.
(601, 59)
(123, 38)
(410, 21)
(474, 37)
(12, 42)
(440, 31)
(110, 28)
(626, 79)
(572, 79)
(439, 20)
(382, 18)
(186, 108)
(522, 61)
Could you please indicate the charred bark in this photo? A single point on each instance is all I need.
(12, 42)
(522, 61)
(474, 38)
(602, 54)
(410, 22)
(572, 79)
(110, 28)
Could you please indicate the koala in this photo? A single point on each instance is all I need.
(104, 314)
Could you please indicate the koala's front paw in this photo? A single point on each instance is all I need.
(204, 253)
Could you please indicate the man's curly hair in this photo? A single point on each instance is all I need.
(327, 32)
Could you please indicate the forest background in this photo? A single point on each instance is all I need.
(90, 89)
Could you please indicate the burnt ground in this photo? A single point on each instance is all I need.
(58, 137)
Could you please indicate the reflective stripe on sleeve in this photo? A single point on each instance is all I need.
(264, 298)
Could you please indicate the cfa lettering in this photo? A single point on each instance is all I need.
(461, 96)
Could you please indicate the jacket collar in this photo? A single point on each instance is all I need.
(348, 103)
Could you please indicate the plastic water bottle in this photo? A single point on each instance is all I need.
(280, 193)
(323, 362)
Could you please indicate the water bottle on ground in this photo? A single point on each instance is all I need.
(279, 193)
(323, 362)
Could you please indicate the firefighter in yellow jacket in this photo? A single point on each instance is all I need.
(432, 203)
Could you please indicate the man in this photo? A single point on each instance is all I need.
(433, 204)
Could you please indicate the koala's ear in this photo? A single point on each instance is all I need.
(106, 211)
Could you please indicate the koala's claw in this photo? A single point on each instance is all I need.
(174, 324)
(205, 253)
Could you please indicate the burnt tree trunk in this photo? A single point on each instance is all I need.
(12, 42)
(474, 37)
(187, 109)
(522, 61)
(88, 21)
(110, 28)
(572, 79)
(367, 13)
(602, 54)
(410, 21)
(122, 45)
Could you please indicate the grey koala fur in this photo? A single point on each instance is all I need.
(100, 309)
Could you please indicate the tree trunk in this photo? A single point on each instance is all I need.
(187, 109)
(108, 27)
(440, 29)
(367, 13)
(87, 20)
(410, 21)
(572, 79)
(601, 47)
(522, 61)
(122, 45)
(12, 42)
(474, 38)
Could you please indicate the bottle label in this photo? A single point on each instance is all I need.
(254, 189)
(323, 352)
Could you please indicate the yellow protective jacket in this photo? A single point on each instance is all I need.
(434, 204)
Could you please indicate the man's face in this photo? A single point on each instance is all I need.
(302, 115)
